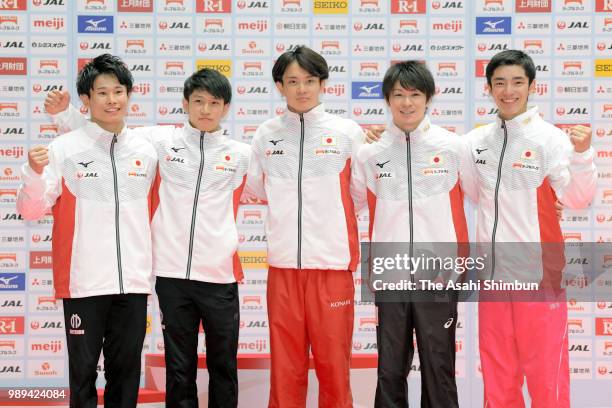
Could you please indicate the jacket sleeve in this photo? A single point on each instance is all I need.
(359, 181)
(69, 120)
(468, 176)
(255, 186)
(38, 192)
(572, 175)
(358, 186)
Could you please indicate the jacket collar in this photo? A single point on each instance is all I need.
(420, 131)
(521, 122)
(104, 137)
(210, 138)
(312, 116)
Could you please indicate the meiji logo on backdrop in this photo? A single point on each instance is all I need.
(446, 26)
(49, 24)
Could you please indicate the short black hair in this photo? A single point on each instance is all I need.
(308, 59)
(511, 57)
(104, 64)
(409, 74)
(211, 81)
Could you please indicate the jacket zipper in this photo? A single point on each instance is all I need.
(410, 215)
(299, 248)
(117, 233)
(195, 206)
(499, 169)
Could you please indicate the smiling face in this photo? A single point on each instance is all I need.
(408, 107)
(205, 110)
(300, 88)
(107, 102)
(510, 90)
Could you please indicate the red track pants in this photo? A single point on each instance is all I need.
(524, 339)
(310, 309)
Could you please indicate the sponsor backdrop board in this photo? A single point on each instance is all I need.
(43, 43)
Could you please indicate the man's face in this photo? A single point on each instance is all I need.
(510, 90)
(107, 102)
(300, 88)
(205, 110)
(408, 106)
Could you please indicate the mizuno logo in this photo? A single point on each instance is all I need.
(7, 281)
(369, 89)
(274, 142)
(95, 23)
(381, 165)
(493, 24)
(448, 323)
(176, 149)
(85, 164)
(480, 150)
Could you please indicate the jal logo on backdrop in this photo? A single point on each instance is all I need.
(12, 44)
(140, 68)
(136, 6)
(574, 26)
(12, 131)
(408, 6)
(367, 90)
(533, 6)
(13, 5)
(49, 3)
(448, 5)
(174, 26)
(13, 66)
(493, 25)
(253, 5)
(95, 24)
(213, 6)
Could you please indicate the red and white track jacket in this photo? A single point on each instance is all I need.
(98, 186)
(201, 178)
(195, 201)
(301, 164)
(517, 169)
(411, 183)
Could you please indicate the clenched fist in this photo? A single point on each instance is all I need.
(57, 101)
(38, 158)
(580, 136)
